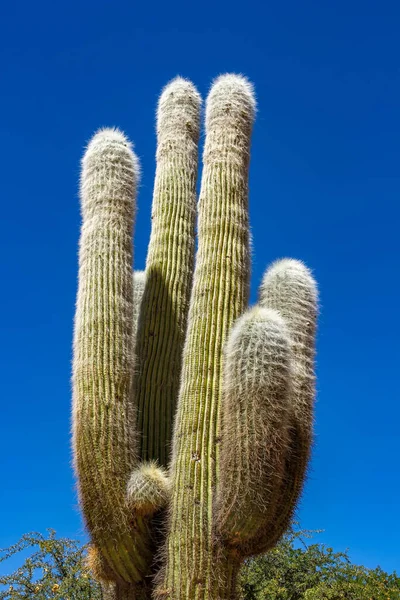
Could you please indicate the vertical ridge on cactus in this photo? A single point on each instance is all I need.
(289, 287)
(192, 413)
(219, 295)
(104, 417)
(255, 416)
(169, 267)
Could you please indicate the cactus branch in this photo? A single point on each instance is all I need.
(255, 417)
(104, 415)
(169, 268)
(289, 287)
(219, 296)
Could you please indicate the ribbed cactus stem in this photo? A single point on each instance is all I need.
(116, 591)
(255, 414)
(219, 296)
(104, 416)
(289, 287)
(98, 565)
(169, 268)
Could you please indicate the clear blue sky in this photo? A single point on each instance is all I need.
(324, 188)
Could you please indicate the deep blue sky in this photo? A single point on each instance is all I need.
(325, 188)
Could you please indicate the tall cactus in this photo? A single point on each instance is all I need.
(192, 413)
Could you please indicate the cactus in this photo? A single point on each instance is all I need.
(192, 414)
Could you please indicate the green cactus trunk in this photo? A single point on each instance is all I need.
(219, 296)
(192, 413)
(169, 269)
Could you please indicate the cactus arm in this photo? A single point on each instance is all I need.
(169, 268)
(254, 432)
(289, 287)
(103, 413)
(219, 296)
(264, 453)
(288, 496)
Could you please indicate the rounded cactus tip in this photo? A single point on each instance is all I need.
(179, 104)
(148, 489)
(259, 314)
(179, 92)
(109, 135)
(235, 91)
(111, 140)
(293, 269)
(267, 321)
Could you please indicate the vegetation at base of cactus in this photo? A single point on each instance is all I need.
(50, 567)
(297, 568)
(300, 568)
(192, 413)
